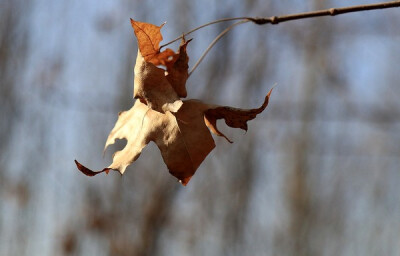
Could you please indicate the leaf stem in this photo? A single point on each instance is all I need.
(214, 42)
(204, 25)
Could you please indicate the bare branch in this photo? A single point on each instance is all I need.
(304, 15)
(279, 19)
(327, 12)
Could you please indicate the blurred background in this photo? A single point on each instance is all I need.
(317, 173)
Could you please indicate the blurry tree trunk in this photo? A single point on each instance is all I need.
(302, 210)
(13, 48)
(12, 57)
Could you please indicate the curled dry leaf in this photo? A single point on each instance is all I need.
(234, 117)
(153, 88)
(180, 129)
(182, 137)
(149, 38)
(177, 70)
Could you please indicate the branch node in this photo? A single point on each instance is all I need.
(259, 21)
(274, 20)
(332, 11)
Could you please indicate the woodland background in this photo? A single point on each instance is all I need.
(317, 173)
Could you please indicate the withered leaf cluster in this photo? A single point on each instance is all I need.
(179, 128)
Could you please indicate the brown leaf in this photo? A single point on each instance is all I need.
(134, 126)
(177, 70)
(89, 172)
(153, 88)
(234, 117)
(149, 37)
(186, 141)
(180, 129)
(183, 138)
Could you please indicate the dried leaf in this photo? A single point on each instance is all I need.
(180, 129)
(234, 117)
(149, 37)
(89, 172)
(153, 88)
(177, 70)
(186, 141)
(183, 138)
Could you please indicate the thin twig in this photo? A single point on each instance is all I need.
(215, 41)
(279, 19)
(204, 25)
(328, 12)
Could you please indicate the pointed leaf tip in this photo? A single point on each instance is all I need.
(234, 117)
(89, 172)
(185, 181)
